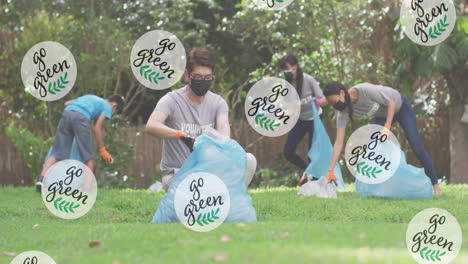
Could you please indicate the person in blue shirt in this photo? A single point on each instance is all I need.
(75, 124)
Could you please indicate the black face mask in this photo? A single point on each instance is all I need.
(340, 106)
(288, 76)
(200, 87)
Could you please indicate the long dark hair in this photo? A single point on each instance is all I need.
(292, 60)
(334, 88)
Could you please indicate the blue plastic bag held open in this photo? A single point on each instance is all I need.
(74, 153)
(223, 158)
(321, 152)
(408, 182)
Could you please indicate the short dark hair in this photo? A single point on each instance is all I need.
(120, 100)
(200, 57)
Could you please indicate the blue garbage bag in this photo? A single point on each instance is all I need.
(321, 152)
(408, 182)
(225, 159)
(74, 153)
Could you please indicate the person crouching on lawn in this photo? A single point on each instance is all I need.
(75, 123)
(183, 114)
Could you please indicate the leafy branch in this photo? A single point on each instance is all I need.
(205, 219)
(367, 170)
(55, 87)
(265, 122)
(149, 74)
(431, 254)
(65, 206)
(436, 30)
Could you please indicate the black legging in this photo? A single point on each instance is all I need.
(407, 120)
(294, 137)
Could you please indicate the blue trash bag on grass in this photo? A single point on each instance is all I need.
(74, 153)
(408, 182)
(225, 159)
(321, 152)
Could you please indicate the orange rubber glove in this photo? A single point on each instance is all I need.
(331, 177)
(386, 130)
(180, 134)
(105, 155)
(186, 139)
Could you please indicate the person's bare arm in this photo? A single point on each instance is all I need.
(338, 146)
(390, 112)
(98, 130)
(222, 125)
(68, 102)
(156, 127)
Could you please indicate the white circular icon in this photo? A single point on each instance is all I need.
(69, 189)
(32, 257)
(158, 59)
(434, 236)
(202, 201)
(272, 107)
(273, 4)
(427, 22)
(48, 71)
(371, 155)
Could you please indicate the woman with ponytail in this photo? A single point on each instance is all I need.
(384, 105)
(307, 88)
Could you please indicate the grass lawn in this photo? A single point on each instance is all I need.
(290, 229)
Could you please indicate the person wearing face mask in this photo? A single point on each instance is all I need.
(307, 88)
(384, 105)
(184, 114)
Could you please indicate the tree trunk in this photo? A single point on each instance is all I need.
(458, 90)
(458, 145)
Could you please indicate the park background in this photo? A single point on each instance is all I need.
(351, 41)
(348, 40)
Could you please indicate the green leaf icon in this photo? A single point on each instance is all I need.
(207, 218)
(440, 26)
(367, 170)
(65, 206)
(265, 122)
(431, 255)
(150, 75)
(58, 85)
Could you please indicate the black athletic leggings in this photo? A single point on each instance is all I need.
(295, 136)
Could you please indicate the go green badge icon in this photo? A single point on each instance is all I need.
(273, 4)
(371, 155)
(48, 71)
(32, 257)
(202, 201)
(434, 236)
(272, 107)
(158, 59)
(69, 189)
(427, 22)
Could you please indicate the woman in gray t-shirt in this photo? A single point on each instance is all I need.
(384, 105)
(307, 88)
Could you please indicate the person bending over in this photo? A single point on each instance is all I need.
(385, 105)
(75, 123)
(186, 113)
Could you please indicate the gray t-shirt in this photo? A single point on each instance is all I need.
(310, 88)
(193, 119)
(372, 102)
